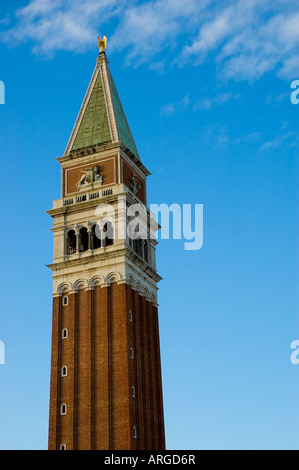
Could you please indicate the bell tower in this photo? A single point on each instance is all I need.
(106, 386)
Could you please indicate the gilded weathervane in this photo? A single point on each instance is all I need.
(102, 43)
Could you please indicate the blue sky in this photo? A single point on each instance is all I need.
(206, 89)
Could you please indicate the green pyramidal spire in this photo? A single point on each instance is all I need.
(94, 128)
(101, 118)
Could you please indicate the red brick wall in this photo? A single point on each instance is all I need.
(101, 411)
(54, 390)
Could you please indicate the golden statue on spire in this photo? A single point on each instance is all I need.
(102, 43)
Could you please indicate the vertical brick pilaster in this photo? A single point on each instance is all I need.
(137, 318)
(67, 359)
(159, 394)
(152, 373)
(131, 322)
(147, 377)
(101, 341)
(54, 391)
(120, 386)
(83, 386)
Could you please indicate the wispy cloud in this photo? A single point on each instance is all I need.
(54, 25)
(203, 104)
(276, 100)
(218, 100)
(245, 38)
(249, 38)
(171, 108)
(283, 139)
(147, 28)
(216, 136)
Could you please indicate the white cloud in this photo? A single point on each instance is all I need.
(245, 38)
(184, 103)
(271, 145)
(53, 25)
(149, 27)
(203, 104)
(283, 138)
(171, 108)
(218, 100)
(167, 110)
(210, 36)
(250, 38)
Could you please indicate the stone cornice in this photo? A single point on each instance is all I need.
(136, 260)
(111, 254)
(88, 151)
(132, 157)
(73, 261)
(96, 150)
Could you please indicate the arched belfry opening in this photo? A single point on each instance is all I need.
(96, 240)
(71, 240)
(108, 234)
(83, 240)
